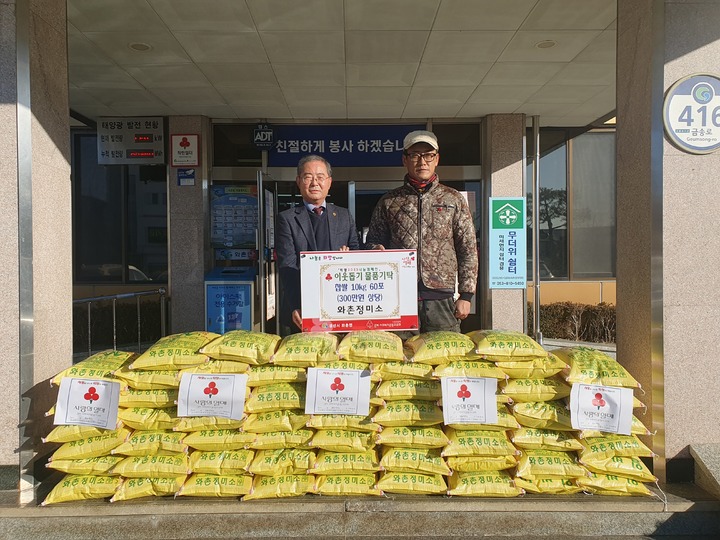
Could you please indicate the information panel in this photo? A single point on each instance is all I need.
(359, 290)
(507, 257)
(233, 216)
(131, 141)
(691, 113)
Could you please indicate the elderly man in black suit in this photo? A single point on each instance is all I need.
(313, 226)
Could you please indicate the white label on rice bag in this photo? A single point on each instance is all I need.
(87, 402)
(601, 408)
(469, 400)
(337, 391)
(216, 394)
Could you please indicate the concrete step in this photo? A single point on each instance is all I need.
(689, 512)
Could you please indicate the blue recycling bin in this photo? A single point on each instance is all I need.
(229, 299)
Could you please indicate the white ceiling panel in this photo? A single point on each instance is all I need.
(532, 73)
(114, 16)
(181, 94)
(385, 97)
(85, 52)
(465, 47)
(395, 15)
(183, 76)
(223, 47)
(601, 49)
(250, 111)
(310, 74)
(483, 109)
(212, 111)
(315, 15)
(206, 15)
(382, 47)
(435, 110)
(577, 73)
(452, 74)
(164, 48)
(571, 15)
(379, 75)
(482, 14)
(284, 47)
(522, 47)
(254, 96)
(502, 94)
(240, 75)
(315, 97)
(543, 109)
(120, 96)
(86, 76)
(565, 94)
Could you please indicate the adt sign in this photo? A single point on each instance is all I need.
(263, 137)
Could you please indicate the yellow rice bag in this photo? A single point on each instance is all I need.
(176, 351)
(280, 420)
(413, 483)
(590, 366)
(282, 461)
(340, 440)
(269, 374)
(409, 413)
(637, 404)
(157, 398)
(101, 445)
(480, 463)
(150, 466)
(595, 448)
(146, 418)
(155, 442)
(244, 346)
(636, 428)
(349, 422)
(372, 346)
(390, 371)
(543, 415)
(440, 347)
(276, 397)
(505, 421)
(134, 488)
(144, 379)
(555, 485)
(534, 464)
(537, 368)
(506, 345)
(63, 434)
(78, 487)
(608, 484)
(219, 439)
(409, 389)
(286, 485)
(282, 439)
(469, 368)
(306, 349)
(544, 439)
(98, 465)
(483, 484)
(347, 484)
(412, 436)
(423, 460)
(216, 366)
(198, 423)
(478, 443)
(328, 462)
(221, 462)
(214, 485)
(631, 467)
(98, 366)
(526, 390)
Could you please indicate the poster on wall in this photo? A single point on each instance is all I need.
(233, 216)
(131, 140)
(359, 290)
(507, 254)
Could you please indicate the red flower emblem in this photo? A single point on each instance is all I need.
(211, 390)
(463, 392)
(337, 385)
(599, 401)
(91, 395)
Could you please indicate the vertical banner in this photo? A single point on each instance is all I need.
(212, 395)
(359, 290)
(507, 257)
(336, 391)
(601, 408)
(87, 402)
(469, 400)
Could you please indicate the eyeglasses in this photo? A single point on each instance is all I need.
(308, 178)
(427, 157)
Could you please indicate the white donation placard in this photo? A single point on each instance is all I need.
(601, 408)
(469, 400)
(212, 395)
(337, 391)
(87, 402)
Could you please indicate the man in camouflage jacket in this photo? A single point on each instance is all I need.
(435, 220)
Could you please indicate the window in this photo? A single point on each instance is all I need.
(119, 218)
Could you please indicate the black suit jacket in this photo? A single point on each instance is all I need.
(295, 234)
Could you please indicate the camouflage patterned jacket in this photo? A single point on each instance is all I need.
(448, 246)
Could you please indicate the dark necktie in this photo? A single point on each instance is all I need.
(318, 210)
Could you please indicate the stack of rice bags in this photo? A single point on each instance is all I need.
(613, 460)
(346, 461)
(548, 460)
(410, 418)
(156, 456)
(478, 454)
(221, 450)
(84, 454)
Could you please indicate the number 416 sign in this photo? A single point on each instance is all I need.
(691, 113)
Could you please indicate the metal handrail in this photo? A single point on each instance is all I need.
(162, 292)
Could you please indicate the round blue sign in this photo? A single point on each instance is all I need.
(691, 113)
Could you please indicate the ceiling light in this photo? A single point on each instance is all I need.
(140, 47)
(545, 44)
